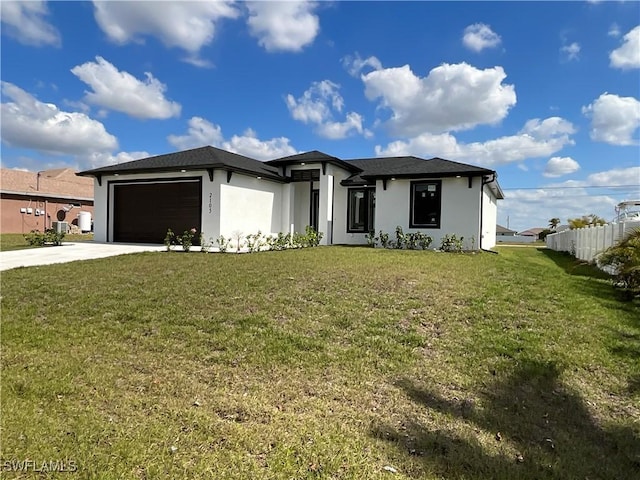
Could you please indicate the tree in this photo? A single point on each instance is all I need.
(585, 221)
(553, 223)
(624, 259)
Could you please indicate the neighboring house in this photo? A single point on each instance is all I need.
(34, 200)
(532, 232)
(223, 193)
(503, 233)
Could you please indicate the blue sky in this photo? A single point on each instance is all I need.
(546, 93)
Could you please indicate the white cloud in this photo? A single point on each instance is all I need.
(185, 25)
(614, 30)
(628, 54)
(201, 132)
(30, 123)
(559, 166)
(572, 51)
(616, 176)
(122, 92)
(479, 36)
(316, 106)
(451, 97)
(283, 26)
(536, 139)
(26, 22)
(355, 63)
(614, 119)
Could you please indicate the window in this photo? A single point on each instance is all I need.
(305, 175)
(361, 210)
(425, 204)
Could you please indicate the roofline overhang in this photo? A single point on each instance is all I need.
(200, 168)
(45, 195)
(334, 161)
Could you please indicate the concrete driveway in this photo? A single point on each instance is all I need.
(69, 252)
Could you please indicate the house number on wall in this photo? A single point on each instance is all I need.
(210, 195)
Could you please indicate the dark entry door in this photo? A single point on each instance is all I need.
(144, 211)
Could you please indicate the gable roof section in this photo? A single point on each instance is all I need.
(313, 156)
(194, 159)
(410, 167)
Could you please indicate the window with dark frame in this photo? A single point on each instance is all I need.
(361, 204)
(425, 204)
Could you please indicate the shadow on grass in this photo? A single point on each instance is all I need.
(573, 266)
(536, 416)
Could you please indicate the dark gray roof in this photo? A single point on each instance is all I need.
(410, 167)
(364, 170)
(195, 159)
(313, 156)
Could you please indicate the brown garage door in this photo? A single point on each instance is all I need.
(144, 211)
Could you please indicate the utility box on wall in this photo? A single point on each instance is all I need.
(60, 227)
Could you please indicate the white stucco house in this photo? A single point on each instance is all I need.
(223, 193)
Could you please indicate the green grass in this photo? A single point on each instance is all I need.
(16, 241)
(331, 362)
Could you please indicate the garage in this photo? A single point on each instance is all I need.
(143, 211)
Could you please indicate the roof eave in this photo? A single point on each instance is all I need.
(214, 166)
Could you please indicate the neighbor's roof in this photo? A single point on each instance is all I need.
(531, 231)
(55, 182)
(501, 229)
(195, 159)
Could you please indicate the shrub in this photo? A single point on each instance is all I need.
(384, 239)
(372, 239)
(313, 237)
(186, 239)
(254, 242)
(223, 243)
(624, 260)
(424, 240)
(451, 243)
(400, 238)
(48, 237)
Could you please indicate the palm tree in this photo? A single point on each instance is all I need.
(554, 222)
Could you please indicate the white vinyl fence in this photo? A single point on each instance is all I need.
(586, 243)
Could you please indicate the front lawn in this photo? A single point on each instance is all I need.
(331, 362)
(16, 241)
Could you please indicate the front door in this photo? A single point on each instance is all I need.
(315, 207)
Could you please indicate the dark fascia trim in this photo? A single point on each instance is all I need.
(413, 225)
(335, 161)
(229, 173)
(199, 168)
(210, 172)
(434, 175)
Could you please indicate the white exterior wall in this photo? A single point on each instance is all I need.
(459, 214)
(489, 218)
(100, 211)
(248, 204)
